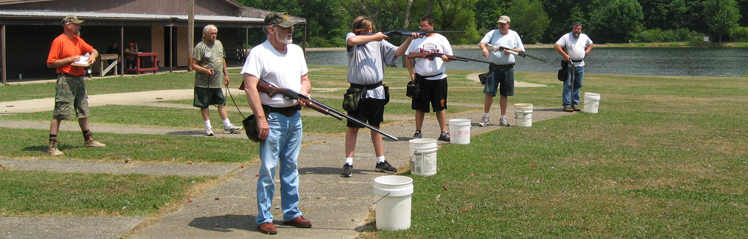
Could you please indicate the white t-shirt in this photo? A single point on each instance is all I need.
(430, 67)
(575, 46)
(366, 64)
(511, 40)
(282, 70)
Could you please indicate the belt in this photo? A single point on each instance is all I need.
(494, 66)
(372, 86)
(576, 61)
(287, 111)
(66, 74)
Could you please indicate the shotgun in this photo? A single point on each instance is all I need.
(454, 58)
(522, 54)
(271, 90)
(408, 33)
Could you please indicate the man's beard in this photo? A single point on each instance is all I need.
(576, 34)
(286, 40)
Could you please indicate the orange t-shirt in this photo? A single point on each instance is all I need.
(63, 47)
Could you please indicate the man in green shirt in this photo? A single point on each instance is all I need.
(209, 63)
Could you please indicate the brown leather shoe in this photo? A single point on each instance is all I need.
(268, 228)
(568, 109)
(299, 222)
(576, 108)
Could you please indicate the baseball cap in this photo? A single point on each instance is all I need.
(71, 19)
(131, 44)
(278, 18)
(504, 19)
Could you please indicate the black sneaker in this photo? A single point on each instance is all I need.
(417, 135)
(385, 167)
(444, 136)
(347, 170)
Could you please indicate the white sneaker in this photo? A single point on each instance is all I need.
(503, 122)
(484, 121)
(209, 132)
(232, 129)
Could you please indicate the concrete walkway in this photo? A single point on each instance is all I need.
(338, 207)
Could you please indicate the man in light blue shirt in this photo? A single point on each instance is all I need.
(501, 70)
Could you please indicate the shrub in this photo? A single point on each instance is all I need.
(738, 34)
(657, 35)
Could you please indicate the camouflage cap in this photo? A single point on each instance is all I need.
(71, 19)
(278, 18)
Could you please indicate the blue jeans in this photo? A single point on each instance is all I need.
(578, 78)
(281, 148)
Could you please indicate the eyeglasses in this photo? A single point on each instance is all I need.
(422, 27)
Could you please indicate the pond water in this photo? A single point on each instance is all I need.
(659, 61)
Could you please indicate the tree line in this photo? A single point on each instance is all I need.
(537, 21)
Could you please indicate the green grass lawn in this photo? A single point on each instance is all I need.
(665, 157)
(48, 194)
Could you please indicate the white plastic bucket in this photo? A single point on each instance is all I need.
(459, 131)
(423, 158)
(392, 194)
(591, 102)
(523, 114)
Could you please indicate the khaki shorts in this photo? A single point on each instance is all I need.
(70, 94)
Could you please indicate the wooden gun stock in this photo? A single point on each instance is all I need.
(271, 90)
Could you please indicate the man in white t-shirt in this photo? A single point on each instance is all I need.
(501, 70)
(281, 63)
(430, 75)
(574, 47)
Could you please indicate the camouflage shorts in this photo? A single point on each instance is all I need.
(70, 93)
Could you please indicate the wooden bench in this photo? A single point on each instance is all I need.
(235, 54)
(104, 57)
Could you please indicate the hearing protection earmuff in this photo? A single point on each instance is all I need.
(357, 24)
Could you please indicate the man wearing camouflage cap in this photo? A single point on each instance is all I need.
(66, 49)
(281, 63)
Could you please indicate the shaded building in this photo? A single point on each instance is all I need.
(27, 28)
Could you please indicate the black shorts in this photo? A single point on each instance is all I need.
(369, 110)
(204, 97)
(433, 93)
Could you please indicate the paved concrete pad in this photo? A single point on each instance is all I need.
(66, 227)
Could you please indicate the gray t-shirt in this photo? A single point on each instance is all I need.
(366, 64)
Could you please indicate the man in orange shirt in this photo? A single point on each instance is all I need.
(70, 93)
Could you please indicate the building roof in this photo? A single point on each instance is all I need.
(48, 17)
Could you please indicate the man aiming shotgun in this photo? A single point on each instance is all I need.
(430, 54)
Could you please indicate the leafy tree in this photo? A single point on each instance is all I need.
(655, 13)
(617, 21)
(487, 13)
(721, 15)
(677, 17)
(326, 22)
(529, 19)
(565, 12)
